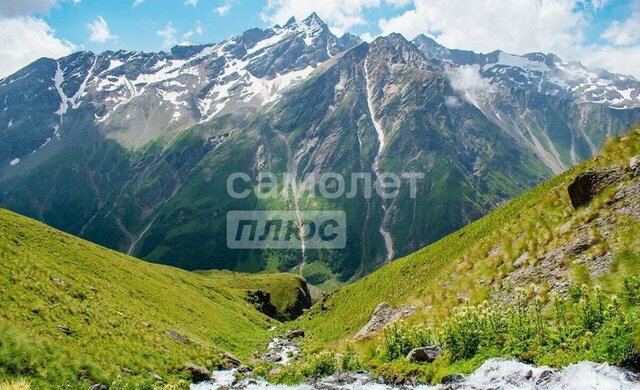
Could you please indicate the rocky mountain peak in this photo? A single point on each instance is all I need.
(396, 49)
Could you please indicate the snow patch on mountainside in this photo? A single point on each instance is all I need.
(507, 59)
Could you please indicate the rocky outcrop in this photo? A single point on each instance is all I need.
(382, 316)
(294, 334)
(197, 373)
(301, 303)
(634, 165)
(261, 300)
(589, 184)
(424, 354)
(580, 243)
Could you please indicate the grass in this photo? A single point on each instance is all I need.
(588, 325)
(286, 289)
(474, 264)
(74, 314)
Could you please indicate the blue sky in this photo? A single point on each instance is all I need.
(136, 27)
(603, 33)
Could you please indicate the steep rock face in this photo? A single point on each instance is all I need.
(132, 150)
(588, 184)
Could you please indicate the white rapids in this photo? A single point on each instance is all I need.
(496, 374)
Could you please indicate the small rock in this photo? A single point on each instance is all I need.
(424, 354)
(545, 376)
(65, 329)
(528, 375)
(451, 379)
(580, 245)
(230, 361)
(520, 261)
(155, 376)
(58, 281)
(273, 357)
(634, 164)
(294, 334)
(198, 374)
(243, 369)
(177, 337)
(99, 386)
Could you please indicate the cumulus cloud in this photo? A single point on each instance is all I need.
(486, 25)
(367, 37)
(624, 60)
(556, 26)
(13, 8)
(137, 2)
(627, 32)
(99, 30)
(24, 40)
(192, 3)
(225, 7)
(169, 35)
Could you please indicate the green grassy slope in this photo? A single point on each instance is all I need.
(473, 264)
(286, 289)
(118, 310)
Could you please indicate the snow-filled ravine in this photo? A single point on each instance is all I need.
(497, 374)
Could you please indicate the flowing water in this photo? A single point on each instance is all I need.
(388, 240)
(495, 374)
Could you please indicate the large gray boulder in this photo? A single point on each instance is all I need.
(424, 354)
(589, 184)
(382, 316)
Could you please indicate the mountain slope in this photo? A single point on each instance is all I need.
(132, 150)
(537, 239)
(76, 313)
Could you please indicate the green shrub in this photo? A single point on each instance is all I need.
(588, 325)
(349, 361)
(399, 340)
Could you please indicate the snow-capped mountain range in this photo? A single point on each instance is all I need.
(543, 73)
(132, 149)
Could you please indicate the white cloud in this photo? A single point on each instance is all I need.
(367, 37)
(192, 3)
(467, 78)
(551, 26)
(99, 30)
(12, 8)
(24, 40)
(137, 2)
(225, 7)
(340, 15)
(625, 33)
(196, 30)
(169, 35)
(452, 102)
(624, 60)
(485, 25)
